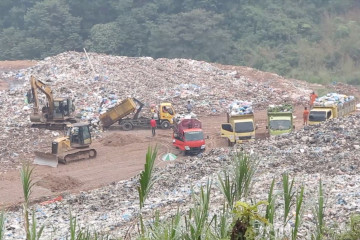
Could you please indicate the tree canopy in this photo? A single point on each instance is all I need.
(315, 40)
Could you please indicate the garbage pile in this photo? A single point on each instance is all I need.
(329, 152)
(240, 108)
(280, 108)
(332, 99)
(114, 78)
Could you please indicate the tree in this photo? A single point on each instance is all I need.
(196, 35)
(52, 24)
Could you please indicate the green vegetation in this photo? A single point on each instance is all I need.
(2, 225)
(315, 40)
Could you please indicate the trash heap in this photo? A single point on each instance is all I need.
(240, 108)
(332, 99)
(330, 152)
(114, 78)
(280, 108)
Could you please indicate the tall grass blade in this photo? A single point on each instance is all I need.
(34, 234)
(2, 225)
(319, 214)
(227, 188)
(288, 195)
(299, 201)
(270, 210)
(245, 168)
(196, 223)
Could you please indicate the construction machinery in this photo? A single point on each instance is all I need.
(57, 112)
(131, 105)
(74, 146)
(188, 135)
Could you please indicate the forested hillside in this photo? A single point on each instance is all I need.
(314, 40)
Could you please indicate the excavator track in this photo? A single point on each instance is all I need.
(77, 154)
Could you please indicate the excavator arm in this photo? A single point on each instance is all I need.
(38, 85)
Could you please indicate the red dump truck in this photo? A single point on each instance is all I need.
(188, 135)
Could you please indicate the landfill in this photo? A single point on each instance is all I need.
(99, 82)
(331, 99)
(329, 151)
(240, 108)
(280, 108)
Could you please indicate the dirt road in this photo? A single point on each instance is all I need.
(121, 155)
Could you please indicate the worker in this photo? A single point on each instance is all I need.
(313, 96)
(153, 126)
(306, 116)
(189, 107)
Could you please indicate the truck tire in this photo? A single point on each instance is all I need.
(127, 126)
(230, 143)
(165, 125)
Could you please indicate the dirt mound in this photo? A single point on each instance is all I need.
(56, 183)
(119, 139)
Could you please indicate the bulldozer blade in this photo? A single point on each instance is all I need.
(46, 159)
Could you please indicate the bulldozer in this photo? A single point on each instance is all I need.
(56, 114)
(75, 145)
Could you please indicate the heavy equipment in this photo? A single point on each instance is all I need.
(332, 105)
(280, 119)
(57, 112)
(188, 135)
(123, 109)
(74, 146)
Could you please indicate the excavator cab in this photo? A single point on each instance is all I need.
(63, 107)
(79, 135)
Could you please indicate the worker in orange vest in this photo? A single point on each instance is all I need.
(306, 116)
(313, 96)
(153, 126)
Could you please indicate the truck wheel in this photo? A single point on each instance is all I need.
(230, 143)
(127, 126)
(165, 125)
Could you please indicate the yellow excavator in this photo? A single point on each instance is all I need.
(56, 114)
(74, 146)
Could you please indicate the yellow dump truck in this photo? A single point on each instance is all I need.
(331, 106)
(131, 105)
(239, 128)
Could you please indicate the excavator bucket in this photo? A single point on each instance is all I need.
(46, 159)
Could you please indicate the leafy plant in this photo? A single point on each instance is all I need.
(169, 230)
(227, 188)
(245, 218)
(288, 195)
(146, 176)
(146, 180)
(245, 168)
(196, 223)
(27, 184)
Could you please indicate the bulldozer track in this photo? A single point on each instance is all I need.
(78, 155)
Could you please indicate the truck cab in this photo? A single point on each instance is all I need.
(280, 123)
(320, 114)
(239, 129)
(166, 115)
(188, 136)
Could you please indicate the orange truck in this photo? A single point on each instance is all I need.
(188, 135)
